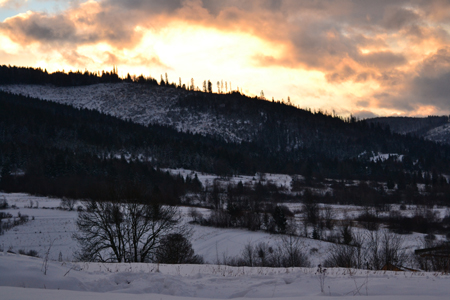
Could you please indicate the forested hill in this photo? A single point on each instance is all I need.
(218, 133)
(434, 128)
(36, 135)
(20, 75)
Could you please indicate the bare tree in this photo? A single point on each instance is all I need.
(385, 247)
(195, 215)
(310, 208)
(328, 217)
(372, 250)
(249, 254)
(44, 267)
(123, 232)
(343, 256)
(67, 203)
(292, 250)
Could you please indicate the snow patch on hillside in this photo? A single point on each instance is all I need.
(141, 104)
(439, 134)
(385, 156)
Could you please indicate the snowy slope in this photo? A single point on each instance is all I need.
(23, 278)
(439, 134)
(142, 104)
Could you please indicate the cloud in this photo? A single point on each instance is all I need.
(12, 3)
(364, 114)
(382, 59)
(399, 18)
(387, 46)
(429, 86)
(32, 27)
(149, 6)
(87, 23)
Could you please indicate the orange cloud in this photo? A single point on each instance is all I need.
(386, 57)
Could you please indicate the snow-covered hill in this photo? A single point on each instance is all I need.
(432, 128)
(439, 134)
(142, 104)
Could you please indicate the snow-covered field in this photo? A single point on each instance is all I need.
(22, 277)
(49, 225)
(57, 226)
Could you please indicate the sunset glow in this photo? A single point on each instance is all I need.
(354, 57)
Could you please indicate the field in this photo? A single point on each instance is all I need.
(49, 227)
(53, 225)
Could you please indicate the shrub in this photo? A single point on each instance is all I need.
(290, 252)
(176, 249)
(68, 204)
(32, 253)
(3, 203)
(369, 221)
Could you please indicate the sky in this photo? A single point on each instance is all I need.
(362, 57)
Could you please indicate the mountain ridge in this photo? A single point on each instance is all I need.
(286, 133)
(433, 128)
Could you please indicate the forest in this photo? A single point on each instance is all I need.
(46, 146)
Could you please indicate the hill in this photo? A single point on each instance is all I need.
(433, 128)
(297, 140)
(124, 131)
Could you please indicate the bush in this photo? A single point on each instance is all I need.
(32, 253)
(176, 249)
(343, 256)
(371, 250)
(369, 221)
(68, 204)
(289, 253)
(3, 203)
(430, 237)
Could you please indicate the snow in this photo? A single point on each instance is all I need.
(48, 224)
(58, 226)
(280, 180)
(22, 277)
(385, 156)
(140, 103)
(439, 134)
